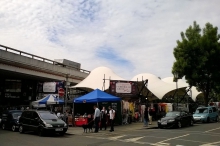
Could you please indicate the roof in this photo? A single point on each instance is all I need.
(95, 80)
(159, 87)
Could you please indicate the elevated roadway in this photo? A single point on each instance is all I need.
(16, 62)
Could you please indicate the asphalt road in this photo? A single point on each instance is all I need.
(129, 135)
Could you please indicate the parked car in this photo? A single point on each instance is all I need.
(175, 119)
(10, 119)
(206, 114)
(41, 122)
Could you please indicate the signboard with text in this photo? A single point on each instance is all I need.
(126, 88)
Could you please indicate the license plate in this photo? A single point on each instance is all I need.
(59, 129)
(164, 123)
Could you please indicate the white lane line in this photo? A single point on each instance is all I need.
(173, 138)
(116, 137)
(134, 139)
(212, 130)
(211, 144)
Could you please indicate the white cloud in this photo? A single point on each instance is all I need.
(141, 33)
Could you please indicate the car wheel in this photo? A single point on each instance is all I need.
(191, 122)
(208, 120)
(217, 119)
(179, 125)
(13, 128)
(21, 129)
(3, 127)
(41, 132)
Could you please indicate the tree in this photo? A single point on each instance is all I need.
(198, 58)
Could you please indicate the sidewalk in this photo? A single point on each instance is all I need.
(120, 128)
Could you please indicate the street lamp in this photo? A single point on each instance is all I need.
(176, 77)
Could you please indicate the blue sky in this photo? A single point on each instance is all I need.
(130, 37)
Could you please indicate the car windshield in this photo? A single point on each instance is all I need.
(201, 110)
(172, 114)
(48, 116)
(16, 115)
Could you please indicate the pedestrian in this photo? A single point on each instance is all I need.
(112, 118)
(150, 112)
(96, 118)
(103, 118)
(146, 117)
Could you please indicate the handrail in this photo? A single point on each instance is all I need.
(43, 59)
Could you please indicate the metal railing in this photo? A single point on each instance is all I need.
(25, 54)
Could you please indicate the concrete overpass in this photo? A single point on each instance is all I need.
(15, 62)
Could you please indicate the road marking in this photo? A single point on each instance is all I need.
(212, 130)
(173, 138)
(116, 137)
(134, 139)
(211, 144)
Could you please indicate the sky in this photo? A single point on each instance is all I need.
(128, 36)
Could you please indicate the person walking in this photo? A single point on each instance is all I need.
(150, 111)
(146, 117)
(96, 118)
(103, 118)
(112, 118)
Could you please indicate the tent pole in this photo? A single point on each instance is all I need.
(73, 115)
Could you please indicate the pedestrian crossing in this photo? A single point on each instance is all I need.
(142, 140)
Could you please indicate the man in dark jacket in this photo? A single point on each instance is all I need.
(146, 117)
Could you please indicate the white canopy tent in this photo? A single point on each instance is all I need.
(95, 80)
(160, 88)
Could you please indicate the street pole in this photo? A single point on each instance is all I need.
(177, 93)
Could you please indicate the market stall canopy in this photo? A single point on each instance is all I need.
(96, 96)
(95, 80)
(49, 99)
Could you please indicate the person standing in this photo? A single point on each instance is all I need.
(150, 111)
(112, 118)
(146, 117)
(103, 118)
(96, 118)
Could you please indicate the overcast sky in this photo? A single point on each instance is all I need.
(128, 36)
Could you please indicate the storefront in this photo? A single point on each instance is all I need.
(16, 92)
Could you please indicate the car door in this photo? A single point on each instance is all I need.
(214, 113)
(34, 121)
(210, 114)
(183, 118)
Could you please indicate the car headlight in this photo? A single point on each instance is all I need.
(48, 125)
(171, 120)
(203, 116)
(159, 121)
(65, 125)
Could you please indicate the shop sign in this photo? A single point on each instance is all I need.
(49, 87)
(12, 95)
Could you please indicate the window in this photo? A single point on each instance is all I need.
(16, 115)
(48, 116)
(214, 109)
(35, 115)
(201, 110)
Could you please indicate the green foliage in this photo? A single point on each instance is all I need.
(197, 57)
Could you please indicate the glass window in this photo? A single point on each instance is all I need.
(214, 109)
(48, 116)
(201, 110)
(172, 114)
(16, 115)
(35, 115)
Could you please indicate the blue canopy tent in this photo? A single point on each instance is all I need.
(49, 99)
(95, 97)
